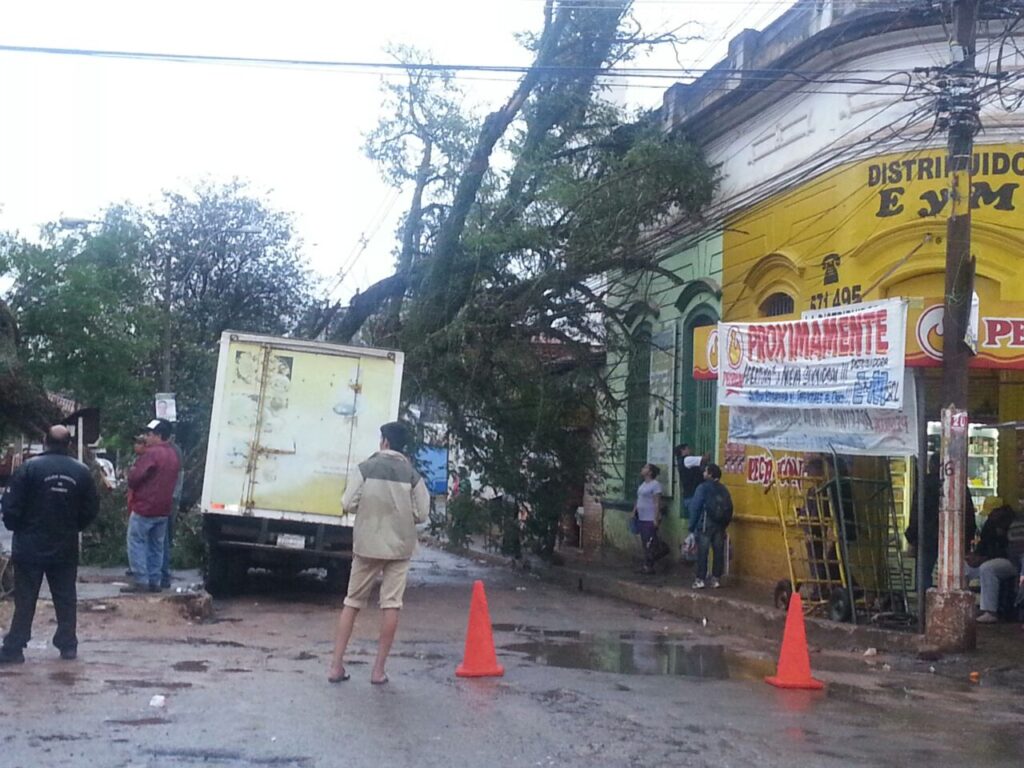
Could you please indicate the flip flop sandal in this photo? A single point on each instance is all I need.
(339, 678)
(382, 681)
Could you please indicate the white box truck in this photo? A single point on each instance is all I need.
(290, 419)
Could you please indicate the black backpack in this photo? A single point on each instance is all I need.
(718, 505)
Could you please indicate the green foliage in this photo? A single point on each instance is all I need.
(188, 550)
(466, 519)
(87, 324)
(92, 305)
(104, 543)
(499, 305)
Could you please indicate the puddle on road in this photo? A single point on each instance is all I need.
(634, 653)
(191, 666)
(526, 629)
(64, 678)
(140, 721)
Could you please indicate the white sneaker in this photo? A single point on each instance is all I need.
(714, 583)
(987, 618)
(698, 584)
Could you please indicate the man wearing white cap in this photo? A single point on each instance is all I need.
(152, 481)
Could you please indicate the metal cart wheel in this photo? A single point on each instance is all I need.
(783, 591)
(839, 608)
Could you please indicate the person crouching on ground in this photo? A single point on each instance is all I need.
(152, 481)
(388, 498)
(50, 500)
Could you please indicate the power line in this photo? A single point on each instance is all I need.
(384, 66)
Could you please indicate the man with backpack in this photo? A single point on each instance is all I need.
(710, 515)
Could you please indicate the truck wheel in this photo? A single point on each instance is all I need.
(216, 572)
(225, 572)
(337, 575)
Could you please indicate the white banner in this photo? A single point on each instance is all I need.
(853, 431)
(852, 360)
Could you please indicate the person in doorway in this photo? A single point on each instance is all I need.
(691, 474)
(151, 481)
(647, 511)
(50, 500)
(710, 514)
(990, 562)
(165, 569)
(388, 498)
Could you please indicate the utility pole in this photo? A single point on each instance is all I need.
(950, 609)
(165, 375)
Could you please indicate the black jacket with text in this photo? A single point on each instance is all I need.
(49, 500)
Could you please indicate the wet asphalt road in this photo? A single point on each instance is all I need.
(588, 682)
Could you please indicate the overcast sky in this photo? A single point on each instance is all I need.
(78, 133)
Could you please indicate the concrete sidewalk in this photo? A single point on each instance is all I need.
(748, 612)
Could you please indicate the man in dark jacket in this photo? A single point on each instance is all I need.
(50, 499)
(152, 481)
(710, 512)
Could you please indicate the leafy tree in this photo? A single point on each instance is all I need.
(503, 315)
(93, 306)
(234, 264)
(87, 323)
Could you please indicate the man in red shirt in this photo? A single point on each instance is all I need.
(151, 482)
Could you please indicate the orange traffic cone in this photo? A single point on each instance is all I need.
(794, 670)
(479, 659)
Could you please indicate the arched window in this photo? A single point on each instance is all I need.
(697, 399)
(638, 400)
(778, 304)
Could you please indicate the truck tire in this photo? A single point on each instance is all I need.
(338, 572)
(225, 572)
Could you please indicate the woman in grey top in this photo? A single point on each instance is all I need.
(647, 511)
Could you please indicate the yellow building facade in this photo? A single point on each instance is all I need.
(869, 230)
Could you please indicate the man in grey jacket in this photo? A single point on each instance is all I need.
(388, 498)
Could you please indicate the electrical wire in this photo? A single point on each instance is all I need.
(384, 66)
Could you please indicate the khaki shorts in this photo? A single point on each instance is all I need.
(365, 570)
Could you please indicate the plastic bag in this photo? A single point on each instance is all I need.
(688, 549)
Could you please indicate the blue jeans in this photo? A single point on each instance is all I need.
(146, 548)
(710, 541)
(648, 530)
(165, 568)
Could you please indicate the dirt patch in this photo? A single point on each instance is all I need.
(64, 678)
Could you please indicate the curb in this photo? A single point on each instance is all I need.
(738, 616)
